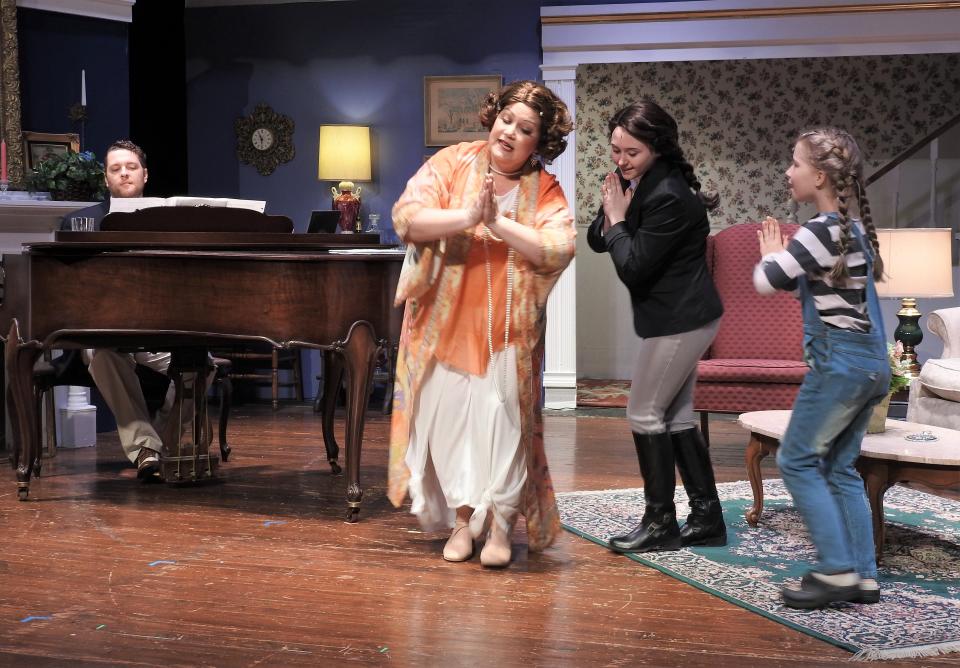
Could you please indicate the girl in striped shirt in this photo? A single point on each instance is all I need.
(832, 262)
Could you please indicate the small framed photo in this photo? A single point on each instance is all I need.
(37, 146)
(451, 107)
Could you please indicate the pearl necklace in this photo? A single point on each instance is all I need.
(488, 235)
(497, 171)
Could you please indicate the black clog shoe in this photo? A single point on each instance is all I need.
(814, 592)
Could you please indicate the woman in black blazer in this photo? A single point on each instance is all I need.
(653, 223)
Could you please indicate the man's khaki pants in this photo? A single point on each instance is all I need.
(116, 378)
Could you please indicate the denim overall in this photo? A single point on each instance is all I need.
(849, 374)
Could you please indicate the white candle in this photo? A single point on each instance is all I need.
(83, 88)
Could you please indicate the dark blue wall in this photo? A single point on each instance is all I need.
(54, 48)
(338, 62)
(357, 62)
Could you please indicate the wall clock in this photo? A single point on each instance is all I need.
(264, 139)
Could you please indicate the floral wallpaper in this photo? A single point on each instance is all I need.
(738, 118)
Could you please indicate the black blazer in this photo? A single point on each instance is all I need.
(659, 252)
(97, 212)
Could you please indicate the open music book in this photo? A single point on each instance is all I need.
(127, 204)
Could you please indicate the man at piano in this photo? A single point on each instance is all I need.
(125, 172)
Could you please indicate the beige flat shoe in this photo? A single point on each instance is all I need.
(496, 551)
(459, 546)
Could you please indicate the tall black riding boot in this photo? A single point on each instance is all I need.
(658, 530)
(705, 522)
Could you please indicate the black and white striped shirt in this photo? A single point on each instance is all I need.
(813, 251)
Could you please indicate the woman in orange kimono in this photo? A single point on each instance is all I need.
(488, 234)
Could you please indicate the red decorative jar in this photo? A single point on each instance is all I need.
(348, 204)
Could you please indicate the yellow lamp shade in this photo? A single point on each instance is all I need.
(916, 262)
(344, 153)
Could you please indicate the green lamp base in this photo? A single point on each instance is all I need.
(909, 334)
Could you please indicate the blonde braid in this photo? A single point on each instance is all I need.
(864, 205)
(844, 191)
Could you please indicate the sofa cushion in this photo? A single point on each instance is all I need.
(744, 397)
(750, 371)
(942, 377)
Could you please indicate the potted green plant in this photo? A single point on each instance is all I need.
(75, 177)
(899, 380)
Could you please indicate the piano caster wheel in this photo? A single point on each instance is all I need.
(353, 514)
(36, 469)
(225, 452)
(335, 467)
(22, 493)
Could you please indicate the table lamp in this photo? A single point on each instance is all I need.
(916, 263)
(345, 157)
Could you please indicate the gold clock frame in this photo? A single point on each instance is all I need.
(282, 149)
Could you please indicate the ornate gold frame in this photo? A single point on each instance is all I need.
(771, 12)
(10, 92)
(433, 108)
(280, 126)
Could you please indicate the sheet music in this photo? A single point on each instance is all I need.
(128, 204)
(368, 251)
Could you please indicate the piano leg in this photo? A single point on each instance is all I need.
(359, 352)
(19, 358)
(332, 378)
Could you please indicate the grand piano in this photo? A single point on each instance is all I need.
(143, 289)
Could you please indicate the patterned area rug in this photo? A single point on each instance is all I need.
(919, 576)
(602, 393)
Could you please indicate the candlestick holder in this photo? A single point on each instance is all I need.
(4, 185)
(77, 112)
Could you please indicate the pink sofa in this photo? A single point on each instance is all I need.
(756, 361)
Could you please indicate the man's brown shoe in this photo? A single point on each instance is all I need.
(148, 463)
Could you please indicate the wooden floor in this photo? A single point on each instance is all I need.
(259, 569)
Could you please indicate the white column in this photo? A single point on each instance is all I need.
(560, 372)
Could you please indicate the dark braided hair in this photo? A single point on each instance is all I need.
(646, 121)
(835, 153)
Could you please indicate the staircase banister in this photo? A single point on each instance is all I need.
(904, 155)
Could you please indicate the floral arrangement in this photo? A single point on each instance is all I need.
(899, 380)
(75, 177)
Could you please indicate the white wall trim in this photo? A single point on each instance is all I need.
(112, 10)
(560, 355)
(740, 29)
(560, 390)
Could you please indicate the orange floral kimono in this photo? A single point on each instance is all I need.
(430, 284)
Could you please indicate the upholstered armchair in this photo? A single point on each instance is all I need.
(756, 361)
(935, 395)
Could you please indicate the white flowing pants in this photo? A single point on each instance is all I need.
(465, 446)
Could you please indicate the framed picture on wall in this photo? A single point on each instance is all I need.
(451, 105)
(40, 145)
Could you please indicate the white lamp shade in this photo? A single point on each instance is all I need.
(916, 262)
(344, 153)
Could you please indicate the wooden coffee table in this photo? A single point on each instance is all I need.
(885, 459)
